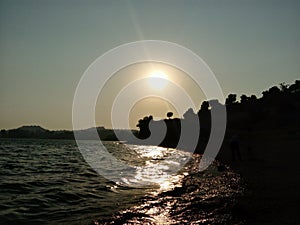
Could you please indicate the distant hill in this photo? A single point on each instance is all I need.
(38, 132)
(32, 129)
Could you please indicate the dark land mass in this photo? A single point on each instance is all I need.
(277, 109)
(268, 131)
(37, 132)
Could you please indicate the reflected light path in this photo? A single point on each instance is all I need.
(161, 165)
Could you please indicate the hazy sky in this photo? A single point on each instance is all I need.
(45, 46)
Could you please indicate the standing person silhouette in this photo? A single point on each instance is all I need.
(235, 148)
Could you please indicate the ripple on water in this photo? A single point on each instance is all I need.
(195, 198)
(48, 182)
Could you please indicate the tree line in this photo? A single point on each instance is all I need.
(278, 107)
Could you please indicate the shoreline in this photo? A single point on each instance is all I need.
(271, 171)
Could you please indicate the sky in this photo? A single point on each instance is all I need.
(46, 46)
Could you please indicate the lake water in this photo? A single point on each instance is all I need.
(49, 182)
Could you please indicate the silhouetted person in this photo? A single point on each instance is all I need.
(235, 148)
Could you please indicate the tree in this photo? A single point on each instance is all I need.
(244, 98)
(204, 106)
(230, 99)
(253, 98)
(273, 91)
(295, 87)
(284, 87)
(169, 115)
(143, 124)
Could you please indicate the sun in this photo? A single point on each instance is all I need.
(158, 80)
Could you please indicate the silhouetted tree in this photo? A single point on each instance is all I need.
(230, 99)
(295, 87)
(283, 87)
(297, 84)
(273, 91)
(253, 98)
(143, 124)
(244, 99)
(204, 106)
(169, 115)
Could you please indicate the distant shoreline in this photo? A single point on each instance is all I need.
(38, 132)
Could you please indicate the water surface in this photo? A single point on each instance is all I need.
(49, 182)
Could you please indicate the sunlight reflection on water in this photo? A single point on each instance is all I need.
(161, 166)
(185, 196)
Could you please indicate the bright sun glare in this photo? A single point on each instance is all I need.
(158, 80)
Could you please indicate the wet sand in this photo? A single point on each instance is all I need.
(270, 167)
